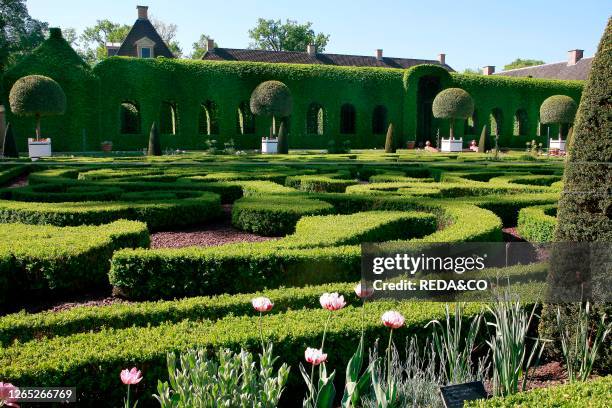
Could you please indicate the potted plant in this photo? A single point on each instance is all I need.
(107, 146)
(37, 95)
(452, 104)
(560, 110)
(273, 98)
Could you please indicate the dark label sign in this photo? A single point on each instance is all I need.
(453, 396)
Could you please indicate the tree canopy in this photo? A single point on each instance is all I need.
(167, 31)
(522, 63)
(94, 39)
(453, 103)
(272, 98)
(37, 95)
(19, 33)
(558, 109)
(289, 36)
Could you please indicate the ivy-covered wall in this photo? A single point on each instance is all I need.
(94, 99)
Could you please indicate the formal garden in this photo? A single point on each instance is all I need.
(229, 277)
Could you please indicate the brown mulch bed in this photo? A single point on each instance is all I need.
(210, 235)
(543, 376)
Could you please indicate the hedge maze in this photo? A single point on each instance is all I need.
(78, 227)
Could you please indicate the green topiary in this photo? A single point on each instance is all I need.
(585, 207)
(10, 148)
(453, 103)
(389, 145)
(482, 143)
(283, 143)
(37, 95)
(558, 109)
(154, 143)
(271, 98)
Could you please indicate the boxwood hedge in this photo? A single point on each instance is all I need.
(537, 224)
(43, 258)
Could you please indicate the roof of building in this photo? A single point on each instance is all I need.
(143, 28)
(297, 57)
(557, 70)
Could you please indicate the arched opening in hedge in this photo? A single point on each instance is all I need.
(209, 119)
(315, 119)
(347, 119)
(496, 120)
(245, 120)
(520, 122)
(379, 120)
(167, 118)
(129, 118)
(471, 124)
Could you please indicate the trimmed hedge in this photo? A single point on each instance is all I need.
(58, 193)
(23, 327)
(318, 184)
(590, 394)
(47, 258)
(160, 214)
(274, 215)
(8, 173)
(537, 224)
(92, 361)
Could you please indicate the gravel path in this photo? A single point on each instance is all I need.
(19, 181)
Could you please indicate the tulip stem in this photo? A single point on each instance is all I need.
(389, 360)
(261, 333)
(325, 330)
(128, 397)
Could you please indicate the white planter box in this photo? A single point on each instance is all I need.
(269, 146)
(455, 145)
(39, 148)
(557, 144)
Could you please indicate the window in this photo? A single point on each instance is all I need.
(347, 119)
(315, 119)
(471, 125)
(145, 52)
(209, 119)
(129, 118)
(496, 119)
(379, 120)
(245, 119)
(520, 122)
(167, 118)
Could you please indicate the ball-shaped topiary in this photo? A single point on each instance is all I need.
(558, 109)
(453, 103)
(272, 98)
(37, 95)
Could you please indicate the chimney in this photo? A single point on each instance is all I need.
(311, 50)
(379, 54)
(143, 12)
(488, 70)
(442, 58)
(574, 56)
(210, 44)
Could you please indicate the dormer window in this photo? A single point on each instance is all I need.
(145, 47)
(145, 52)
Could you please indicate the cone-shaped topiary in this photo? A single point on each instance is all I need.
(558, 109)
(10, 147)
(389, 144)
(283, 142)
(585, 207)
(482, 143)
(154, 142)
(452, 104)
(37, 95)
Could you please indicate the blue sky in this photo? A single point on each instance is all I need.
(472, 33)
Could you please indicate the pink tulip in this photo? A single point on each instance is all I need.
(393, 319)
(132, 376)
(262, 304)
(332, 301)
(363, 291)
(6, 399)
(315, 356)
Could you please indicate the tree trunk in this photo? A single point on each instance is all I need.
(38, 126)
(452, 130)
